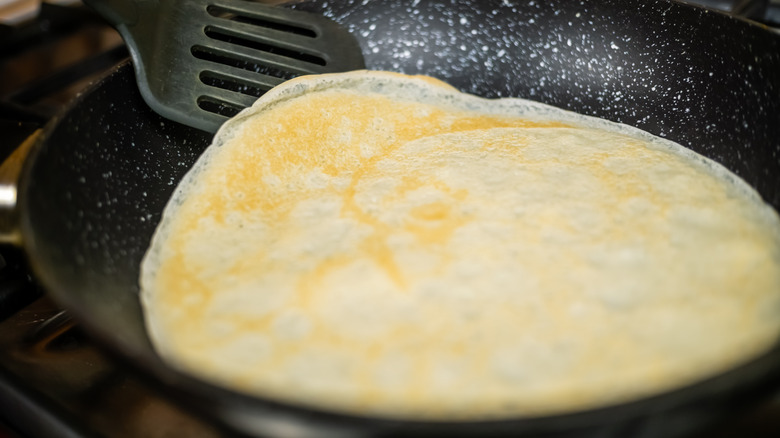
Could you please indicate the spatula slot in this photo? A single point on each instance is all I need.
(217, 107)
(205, 54)
(225, 13)
(227, 84)
(218, 35)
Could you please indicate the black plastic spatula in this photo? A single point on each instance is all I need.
(199, 62)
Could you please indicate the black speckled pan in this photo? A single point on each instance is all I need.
(94, 187)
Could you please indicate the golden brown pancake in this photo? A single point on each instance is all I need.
(383, 244)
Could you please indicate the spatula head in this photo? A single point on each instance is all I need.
(199, 62)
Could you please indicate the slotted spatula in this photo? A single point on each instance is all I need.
(199, 62)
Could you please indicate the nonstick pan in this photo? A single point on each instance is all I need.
(94, 186)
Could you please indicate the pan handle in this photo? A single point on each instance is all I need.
(10, 170)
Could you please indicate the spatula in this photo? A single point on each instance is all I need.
(199, 62)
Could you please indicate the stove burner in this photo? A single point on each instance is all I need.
(45, 62)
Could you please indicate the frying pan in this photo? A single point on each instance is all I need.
(95, 184)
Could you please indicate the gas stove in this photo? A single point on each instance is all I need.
(54, 380)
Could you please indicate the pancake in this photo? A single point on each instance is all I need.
(382, 244)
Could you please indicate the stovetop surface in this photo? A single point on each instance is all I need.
(55, 382)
